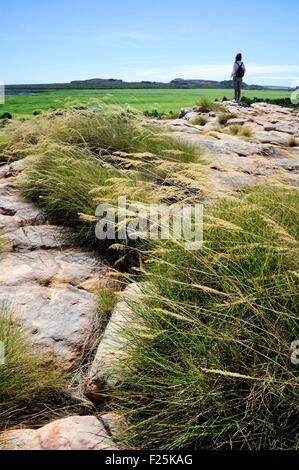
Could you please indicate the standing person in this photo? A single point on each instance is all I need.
(237, 75)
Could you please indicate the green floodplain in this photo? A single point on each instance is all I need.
(162, 100)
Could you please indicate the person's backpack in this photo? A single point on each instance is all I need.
(240, 72)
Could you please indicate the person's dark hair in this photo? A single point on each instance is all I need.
(238, 57)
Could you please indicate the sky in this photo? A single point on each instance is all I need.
(62, 40)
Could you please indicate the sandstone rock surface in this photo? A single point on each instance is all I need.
(112, 344)
(49, 287)
(234, 162)
(73, 433)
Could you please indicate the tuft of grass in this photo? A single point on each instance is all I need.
(172, 115)
(29, 386)
(240, 131)
(101, 134)
(154, 114)
(2, 242)
(234, 129)
(62, 180)
(82, 160)
(107, 299)
(211, 368)
(205, 104)
(37, 112)
(245, 132)
(105, 134)
(224, 117)
(292, 142)
(5, 141)
(199, 121)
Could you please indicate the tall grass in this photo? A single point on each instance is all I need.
(69, 184)
(101, 134)
(5, 140)
(30, 388)
(205, 104)
(83, 160)
(106, 134)
(224, 117)
(211, 367)
(240, 131)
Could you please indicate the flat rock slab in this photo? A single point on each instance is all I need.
(239, 146)
(57, 320)
(236, 122)
(73, 433)
(4, 171)
(53, 268)
(271, 108)
(272, 137)
(32, 237)
(6, 187)
(224, 143)
(226, 181)
(20, 213)
(49, 287)
(227, 162)
(112, 345)
(289, 127)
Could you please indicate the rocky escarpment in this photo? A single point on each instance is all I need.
(269, 156)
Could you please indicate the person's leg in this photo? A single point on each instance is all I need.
(236, 88)
(239, 89)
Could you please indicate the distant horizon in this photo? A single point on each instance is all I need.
(59, 82)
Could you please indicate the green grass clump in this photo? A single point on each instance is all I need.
(199, 121)
(101, 134)
(29, 387)
(61, 181)
(234, 129)
(211, 367)
(5, 140)
(245, 132)
(83, 160)
(172, 115)
(224, 117)
(240, 131)
(2, 242)
(205, 104)
(37, 112)
(105, 134)
(107, 299)
(154, 114)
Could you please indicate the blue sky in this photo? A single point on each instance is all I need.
(63, 40)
